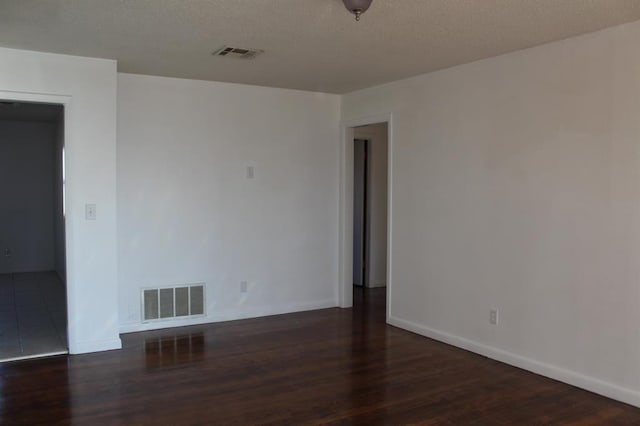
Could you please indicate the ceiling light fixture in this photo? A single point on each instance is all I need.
(357, 7)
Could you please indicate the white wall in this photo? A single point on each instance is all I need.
(26, 195)
(187, 213)
(89, 87)
(377, 202)
(516, 186)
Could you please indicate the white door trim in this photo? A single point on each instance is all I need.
(66, 102)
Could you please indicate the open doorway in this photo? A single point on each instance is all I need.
(33, 301)
(370, 205)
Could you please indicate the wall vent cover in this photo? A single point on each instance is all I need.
(159, 304)
(237, 52)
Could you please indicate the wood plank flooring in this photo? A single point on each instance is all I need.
(330, 366)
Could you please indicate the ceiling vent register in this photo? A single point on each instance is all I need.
(237, 52)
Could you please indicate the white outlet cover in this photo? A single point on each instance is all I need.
(243, 286)
(493, 317)
(90, 211)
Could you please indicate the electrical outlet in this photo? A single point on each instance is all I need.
(243, 286)
(90, 211)
(7, 252)
(493, 316)
(250, 172)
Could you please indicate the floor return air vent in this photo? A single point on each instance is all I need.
(172, 302)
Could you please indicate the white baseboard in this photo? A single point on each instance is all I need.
(228, 316)
(94, 346)
(592, 384)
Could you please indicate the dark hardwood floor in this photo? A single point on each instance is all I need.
(328, 366)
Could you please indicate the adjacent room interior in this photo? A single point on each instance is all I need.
(33, 303)
(316, 212)
(370, 186)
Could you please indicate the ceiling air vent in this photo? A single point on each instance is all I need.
(237, 52)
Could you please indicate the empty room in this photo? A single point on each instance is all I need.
(320, 212)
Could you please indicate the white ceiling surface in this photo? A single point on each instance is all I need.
(26, 111)
(309, 44)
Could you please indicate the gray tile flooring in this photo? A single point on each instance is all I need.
(33, 317)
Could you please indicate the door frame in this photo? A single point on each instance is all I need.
(344, 285)
(66, 102)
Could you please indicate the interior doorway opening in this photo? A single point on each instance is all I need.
(33, 295)
(370, 207)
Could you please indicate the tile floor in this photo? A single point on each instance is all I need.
(33, 317)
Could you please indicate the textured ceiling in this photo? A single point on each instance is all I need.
(309, 44)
